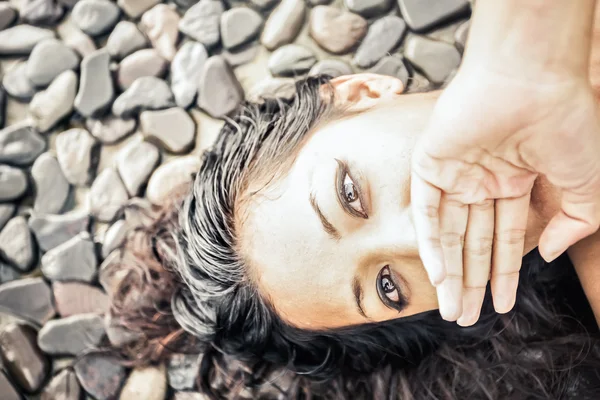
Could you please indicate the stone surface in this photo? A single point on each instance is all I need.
(7, 210)
(368, 8)
(96, 89)
(73, 260)
(8, 15)
(73, 298)
(76, 39)
(51, 186)
(146, 93)
(117, 334)
(8, 273)
(110, 129)
(107, 195)
(50, 106)
(49, 59)
(21, 357)
(461, 35)
(172, 129)
(116, 234)
(52, 230)
(331, 67)
(241, 55)
(71, 335)
(135, 164)
(186, 70)
(284, 24)
(335, 30)
(17, 245)
(392, 66)
(95, 17)
(263, 4)
(171, 176)
(189, 396)
(2, 107)
(21, 39)
(271, 88)
(20, 144)
(40, 11)
(220, 92)
(125, 39)
(291, 60)
(16, 83)
(77, 153)
(100, 375)
(8, 390)
(201, 22)
(13, 183)
(182, 371)
(436, 60)
(146, 62)
(421, 15)
(63, 386)
(28, 298)
(135, 8)
(161, 25)
(383, 36)
(239, 26)
(148, 383)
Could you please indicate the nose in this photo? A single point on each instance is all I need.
(394, 234)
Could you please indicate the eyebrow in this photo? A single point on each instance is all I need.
(327, 226)
(358, 295)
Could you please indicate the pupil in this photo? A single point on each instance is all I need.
(388, 285)
(350, 191)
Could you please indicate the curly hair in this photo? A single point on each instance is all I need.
(184, 287)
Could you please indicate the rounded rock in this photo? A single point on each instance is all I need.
(110, 129)
(51, 186)
(291, 60)
(76, 39)
(161, 26)
(17, 244)
(383, 36)
(96, 90)
(172, 129)
(368, 8)
(171, 177)
(16, 83)
(392, 66)
(49, 59)
(333, 68)
(461, 35)
(335, 30)
(28, 298)
(40, 11)
(146, 62)
(52, 230)
(8, 15)
(63, 386)
(21, 39)
(422, 15)
(7, 210)
(77, 153)
(8, 390)
(71, 335)
(239, 26)
(186, 70)
(100, 375)
(73, 260)
(135, 163)
(50, 106)
(182, 370)
(146, 93)
(284, 24)
(272, 88)
(20, 144)
(13, 183)
(201, 22)
(125, 39)
(73, 298)
(107, 195)
(220, 92)
(135, 8)
(149, 383)
(436, 60)
(95, 17)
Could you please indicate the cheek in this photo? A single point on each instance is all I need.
(423, 295)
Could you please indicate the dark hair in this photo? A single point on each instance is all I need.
(182, 286)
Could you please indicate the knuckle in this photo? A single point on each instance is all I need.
(431, 212)
(485, 205)
(510, 237)
(479, 247)
(452, 239)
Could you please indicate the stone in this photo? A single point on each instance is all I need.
(125, 39)
(135, 8)
(291, 60)
(107, 195)
(71, 335)
(13, 183)
(78, 154)
(7, 210)
(96, 90)
(16, 83)
(220, 92)
(63, 386)
(17, 245)
(8, 273)
(331, 67)
(68, 3)
(110, 129)
(263, 4)
(21, 39)
(239, 26)
(201, 22)
(146, 93)
(8, 390)
(184, 5)
(95, 17)
(186, 70)
(149, 383)
(461, 35)
(115, 235)
(242, 55)
(135, 163)
(314, 3)
(171, 177)
(49, 59)
(117, 334)
(74, 260)
(2, 107)
(335, 30)
(436, 60)
(53, 230)
(146, 62)
(189, 396)
(8, 15)
(161, 25)
(100, 375)
(28, 298)
(392, 66)
(284, 24)
(51, 186)
(182, 371)
(74, 298)
(368, 8)
(20, 145)
(40, 11)
(50, 106)
(383, 36)
(421, 15)
(22, 358)
(76, 39)
(173, 129)
(272, 88)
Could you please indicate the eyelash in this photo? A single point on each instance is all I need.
(343, 176)
(397, 304)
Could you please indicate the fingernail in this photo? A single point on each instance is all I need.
(551, 251)
(450, 299)
(437, 275)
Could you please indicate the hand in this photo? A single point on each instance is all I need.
(491, 134)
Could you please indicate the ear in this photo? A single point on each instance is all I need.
(362, 91)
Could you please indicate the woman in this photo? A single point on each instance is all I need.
(292, 265)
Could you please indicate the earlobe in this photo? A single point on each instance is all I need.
(362, 91)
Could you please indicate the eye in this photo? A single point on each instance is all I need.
(349, 193)
(389, 290)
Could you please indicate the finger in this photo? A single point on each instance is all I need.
(507, 253)
(425, 204)
(453, 224)
(477, 259)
